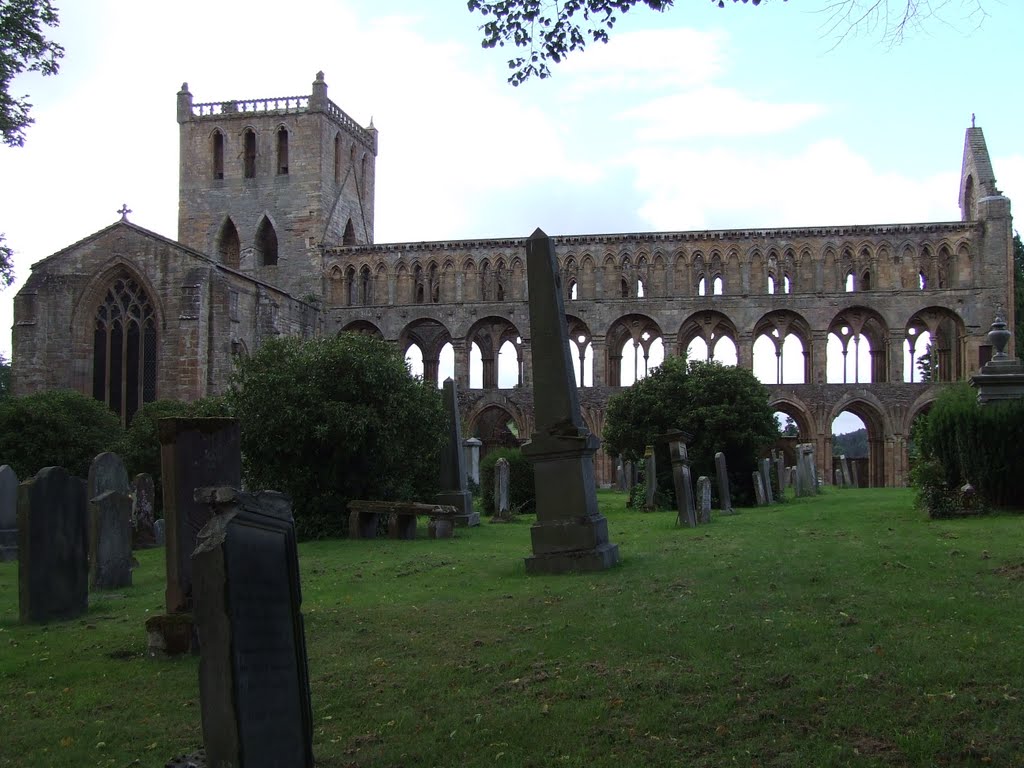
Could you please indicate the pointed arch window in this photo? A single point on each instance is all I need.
(228, 245)
(349, 236)
(266, 244)
(218, 155)
(282, 151)
(124, 348)
(365, 286)
(249, 154)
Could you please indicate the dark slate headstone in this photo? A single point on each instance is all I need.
(759, 494)
(143, 512)
(724, 497)
(110, 541)
(194, 453)
(681, 479)
(766, 481)
(704, 496)
(253, 673)
(650, 479)
(158, 532)
(8, 514)
(454, 490)
(53, 547)
(571, 534)
(107, 473)
(502, 473)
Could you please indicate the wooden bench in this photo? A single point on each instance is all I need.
(364, 518)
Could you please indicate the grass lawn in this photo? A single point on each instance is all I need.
(841, 630)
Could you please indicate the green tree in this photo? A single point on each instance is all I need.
(334, 419)
(60, 427)
(23, 48)
(724, 408)
(551, 29)
(925, 365)
(791, 429)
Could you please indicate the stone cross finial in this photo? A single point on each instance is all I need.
(124, 211)
(972, 120)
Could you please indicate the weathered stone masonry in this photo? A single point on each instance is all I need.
(276, 204)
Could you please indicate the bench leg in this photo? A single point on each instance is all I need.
(401, 526)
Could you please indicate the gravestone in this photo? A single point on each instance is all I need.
(781, 473)
(107, 473)
(253, 670)
(807, 477)
(724, 497)
(845, 466)
(630, 474)
(759, 495)
(766, 481)
(704, 496)
(110, 541)
(53, 547)
(453, 470)
(194, 453)
(501, 480)
(571, 534)
(471, 453)
(620, 473)
(143, 512)
(650, 479)
(8, 514)
(838, 477)
(681, 480)
(158, 532)
(855, 469)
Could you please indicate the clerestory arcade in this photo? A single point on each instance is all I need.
(276, 236)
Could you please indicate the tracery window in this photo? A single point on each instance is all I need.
(124, 349)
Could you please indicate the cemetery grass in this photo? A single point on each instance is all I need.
(841, 630)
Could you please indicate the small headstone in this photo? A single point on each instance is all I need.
(845, 466)
(471, 453)
(454, 491)
(620, 473)
(110, 541)
(8, 514)
(107, 473)
(143, 512)
(855, 469)
(158, 532)
(53, 547)
(759, 494)
(440, 528)
(253, 670)
(724, 497)
(704, 495)
(501, 483)
(780, 472)
(650, 479)
(838, 477)
(766, 480)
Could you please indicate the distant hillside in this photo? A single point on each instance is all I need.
(853, 444)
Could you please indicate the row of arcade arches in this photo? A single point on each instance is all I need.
(857, 346)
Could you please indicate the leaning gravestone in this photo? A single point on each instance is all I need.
(724, 497)
(855, 470)
(766, 480)
(759, 494)
(110, 541)
(454, 491)
(571, 534)
(501, 482)
(704, 496)
(844, 464)
(253, 669)
(8, 514)
(107, 473)
(53, 547)
(143, 512)
(681, 480)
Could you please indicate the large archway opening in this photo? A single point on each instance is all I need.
(708, 335)
(780, 350)
(855, 351)
(635, 348)
(858, 432)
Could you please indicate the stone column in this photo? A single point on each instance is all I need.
(570, 533)
(471, 454)
(461, 349)
(600, 353)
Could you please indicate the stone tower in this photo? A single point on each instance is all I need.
(265, 182)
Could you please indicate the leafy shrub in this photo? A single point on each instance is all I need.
(973, 444)
(333, 419)
(139, 446)
(59, 427)
(520, 481)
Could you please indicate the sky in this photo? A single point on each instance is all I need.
(696, 118)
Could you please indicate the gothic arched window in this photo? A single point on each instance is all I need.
(218, 155)
(124, 349)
